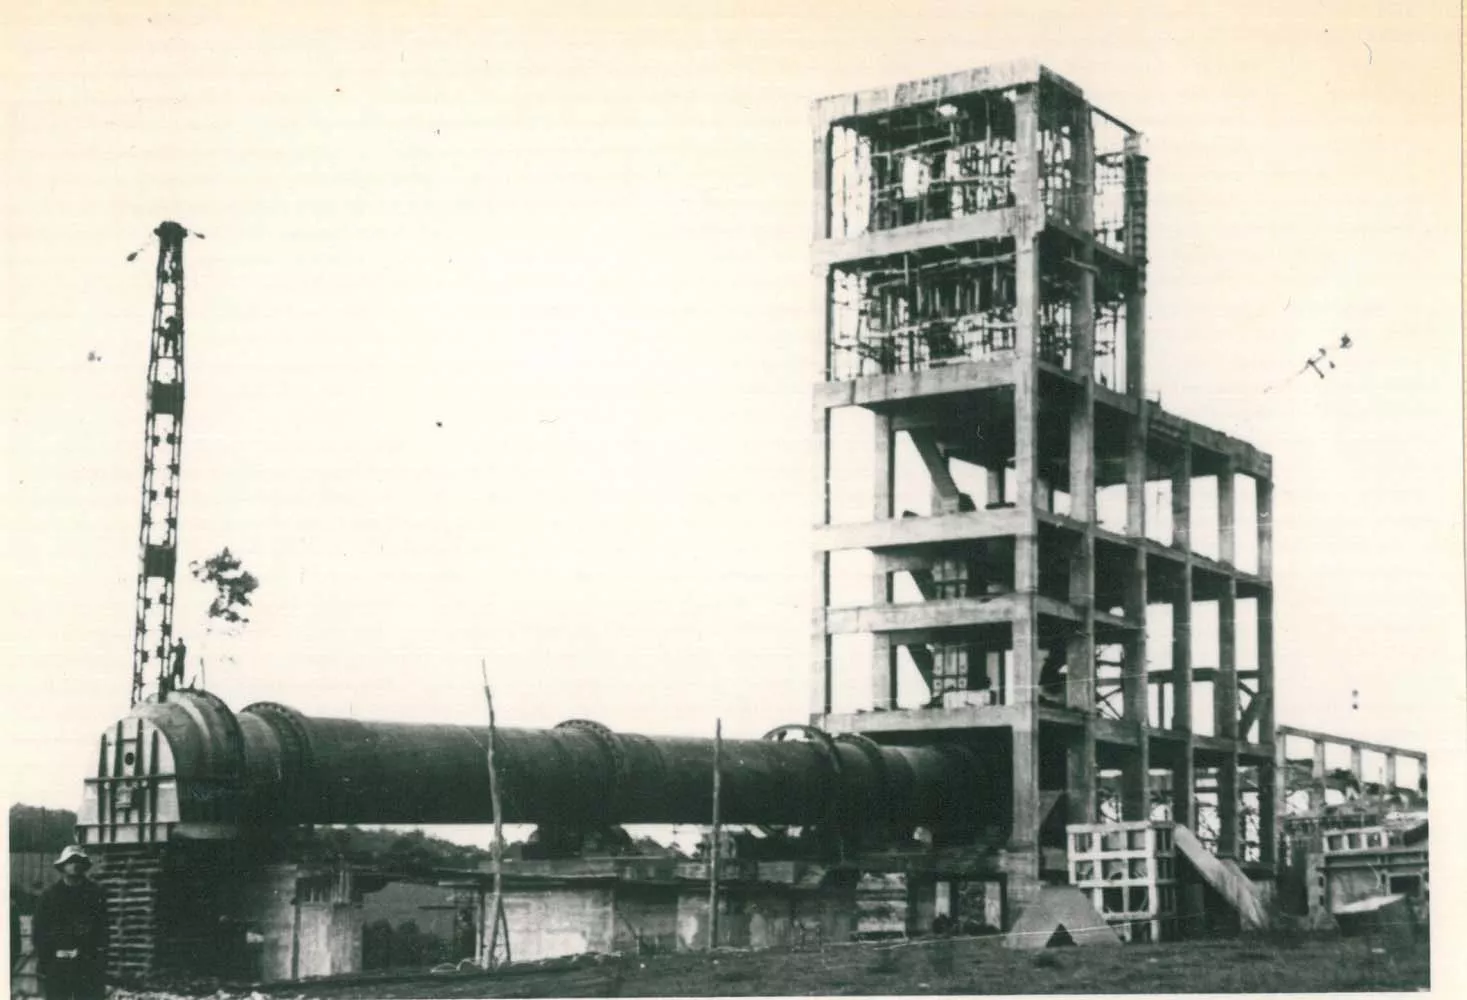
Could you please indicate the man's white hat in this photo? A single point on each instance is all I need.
(72, 853)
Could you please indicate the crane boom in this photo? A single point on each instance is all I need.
(153, 638)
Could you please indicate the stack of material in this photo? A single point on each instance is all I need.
(131, 877)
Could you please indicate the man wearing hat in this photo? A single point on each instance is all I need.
(70, 932)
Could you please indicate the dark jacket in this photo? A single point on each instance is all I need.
(71, 917)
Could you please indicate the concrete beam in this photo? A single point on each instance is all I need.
(948, 498)
(1118, 401)
(842, 107)
(1253, 713)
(907, 531)
(1217, 745)
(918, 720)
(922, 659)
(875, 390)
(1318, 738)
(1117, 732)
(947, 613)
(920, 236)
(1203, 674)
(1245, 457)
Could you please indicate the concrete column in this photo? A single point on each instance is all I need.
(1080, 785)
(820, 653)
(883, 651)
(1025, 763)
(1317, 784)
(883, 490)
(995, 486)
(820, 176)
(1184, 780)
(1136, 693)
(1026, 304)
(1136, 783)
(1080, 788)
(1136, 296)
(1182, 499)
(1082, 335)
(1182, 656)
(1082, 460)
(883, 467)
(1357, 765)
(1390, 770)
(1265, 666)
(820, 648)
(1136, 478)
(1025, 760)
(1184, 777)
(883, 673)
(1265, 528)
(1227, 547)
(1269, 800)
(1225, 688)
(1227, 807)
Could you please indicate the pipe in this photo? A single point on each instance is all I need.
(281, 767)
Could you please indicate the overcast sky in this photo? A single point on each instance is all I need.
(500, 342)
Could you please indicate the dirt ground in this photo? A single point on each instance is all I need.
(972, 966)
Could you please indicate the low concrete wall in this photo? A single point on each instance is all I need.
(267, 904)
(646, 919)
(551, 922)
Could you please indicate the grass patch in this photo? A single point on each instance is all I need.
(883, 965)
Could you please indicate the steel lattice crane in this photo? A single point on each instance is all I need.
(153, 639)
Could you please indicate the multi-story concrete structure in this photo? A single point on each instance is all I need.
(980, 248)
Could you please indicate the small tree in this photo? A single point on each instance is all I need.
(233, 586)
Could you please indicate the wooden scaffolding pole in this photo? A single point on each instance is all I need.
(495, 915)
(717, 838)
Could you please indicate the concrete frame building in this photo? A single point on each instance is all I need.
(980, 255)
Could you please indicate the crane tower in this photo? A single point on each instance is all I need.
(153, 638)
